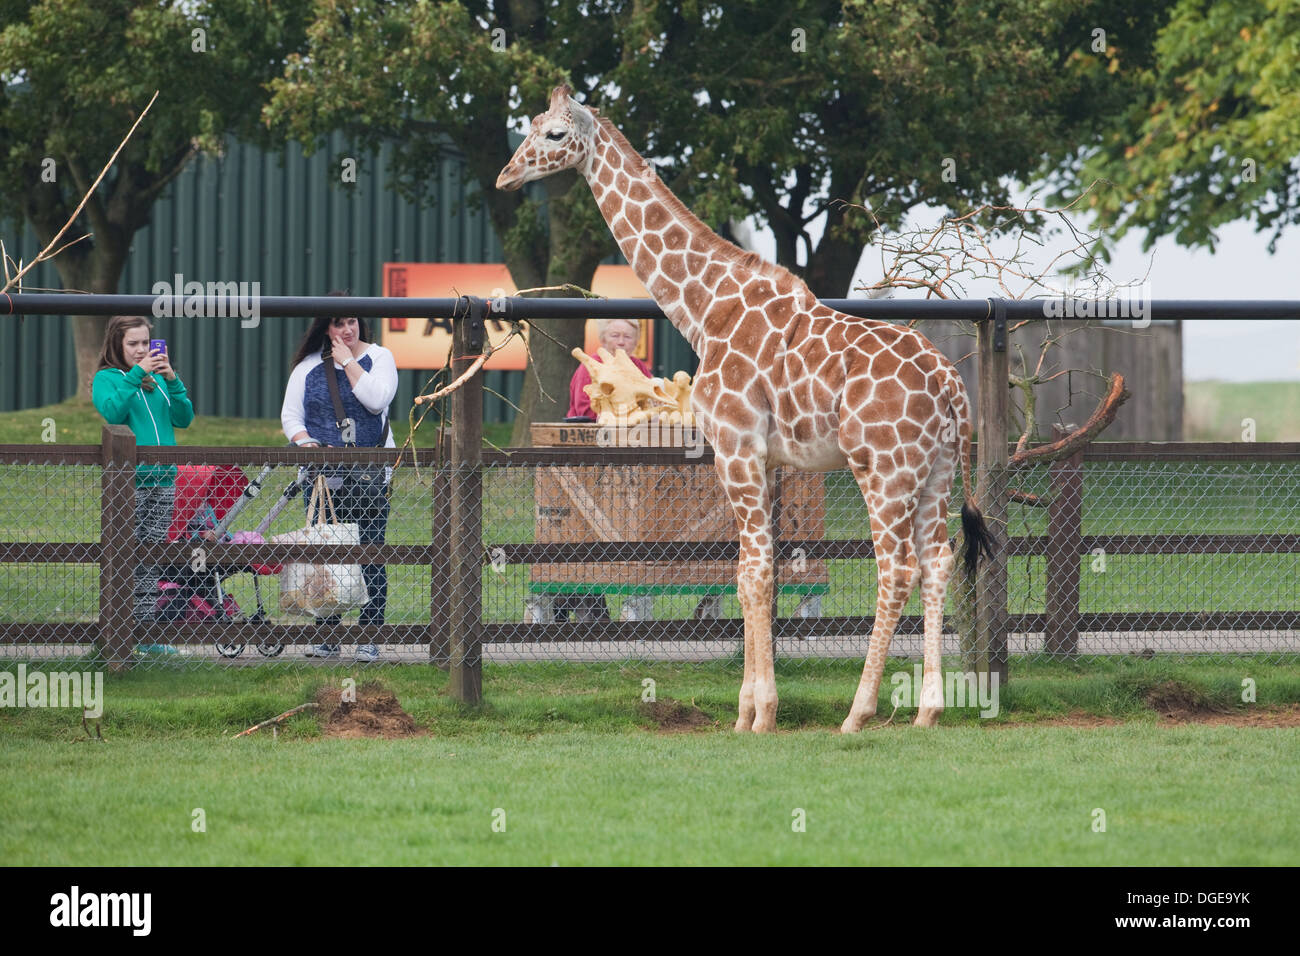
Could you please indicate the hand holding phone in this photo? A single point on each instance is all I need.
(158, 345)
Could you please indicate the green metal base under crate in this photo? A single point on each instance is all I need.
(565, 587)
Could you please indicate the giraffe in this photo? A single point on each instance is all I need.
(786, 380)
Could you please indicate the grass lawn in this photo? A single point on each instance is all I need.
(567, 759)
(77, 423)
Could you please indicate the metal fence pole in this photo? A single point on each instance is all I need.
(991, 579)
(440, 569)
(117, 557)
(466, 542)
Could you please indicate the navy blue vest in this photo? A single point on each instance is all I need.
(318, 407)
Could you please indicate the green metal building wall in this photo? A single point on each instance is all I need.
(283, 220)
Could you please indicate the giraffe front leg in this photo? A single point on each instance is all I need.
(754, 587)
(746, 483)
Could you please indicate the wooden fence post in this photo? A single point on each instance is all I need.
(991, 578)
(465, 614)
(1064, 544)
(117, 556)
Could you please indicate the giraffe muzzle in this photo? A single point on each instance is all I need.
(510, 179)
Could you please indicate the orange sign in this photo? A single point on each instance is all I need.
(426, 343)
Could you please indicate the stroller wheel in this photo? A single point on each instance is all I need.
(230, 648)
(270, 649)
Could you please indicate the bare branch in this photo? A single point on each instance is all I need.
(45, 253)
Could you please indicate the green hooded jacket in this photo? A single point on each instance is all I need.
(153, 416)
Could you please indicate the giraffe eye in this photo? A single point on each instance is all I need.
(556, 135)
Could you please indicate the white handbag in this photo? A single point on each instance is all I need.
(320, 590)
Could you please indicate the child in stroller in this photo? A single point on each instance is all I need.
(208, 498)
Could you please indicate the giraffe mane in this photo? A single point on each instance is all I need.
(752, 262)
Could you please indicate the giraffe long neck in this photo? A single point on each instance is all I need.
(666, 245)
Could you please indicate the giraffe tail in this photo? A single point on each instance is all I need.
(979, 540)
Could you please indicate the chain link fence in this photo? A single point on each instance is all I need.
(612, 555)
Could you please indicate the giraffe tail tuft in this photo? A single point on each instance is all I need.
(979, 541)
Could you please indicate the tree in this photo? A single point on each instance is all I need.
(76, 74)
(1214, 133)
(791, 111)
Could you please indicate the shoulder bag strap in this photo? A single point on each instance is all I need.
(339, 416)
(338, 405)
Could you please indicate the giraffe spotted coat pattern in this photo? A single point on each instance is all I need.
(785, 380)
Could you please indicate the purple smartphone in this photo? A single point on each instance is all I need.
(158, 345)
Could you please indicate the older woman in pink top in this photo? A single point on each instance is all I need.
(613, 334)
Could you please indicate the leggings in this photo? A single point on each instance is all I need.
(153, 516)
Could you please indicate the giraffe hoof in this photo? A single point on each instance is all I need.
(927, 718)
(855, 724)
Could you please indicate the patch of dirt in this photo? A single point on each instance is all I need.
(375, 713)
(673, 717)
(1249, 716)
(1176, 702)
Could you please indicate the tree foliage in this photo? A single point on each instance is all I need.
(783, 111)
(791, 111)
(1213, 135)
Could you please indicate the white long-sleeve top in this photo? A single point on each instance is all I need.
(375, 390)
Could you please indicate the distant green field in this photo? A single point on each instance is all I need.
(1215, 411)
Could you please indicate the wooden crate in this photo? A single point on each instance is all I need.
(577, 503)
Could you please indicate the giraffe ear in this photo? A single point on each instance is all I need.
(582, 118)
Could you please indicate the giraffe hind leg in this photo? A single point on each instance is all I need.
(897, 571)
(935, 554)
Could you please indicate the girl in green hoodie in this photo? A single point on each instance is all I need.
(127, 391)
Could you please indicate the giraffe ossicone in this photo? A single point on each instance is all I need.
(787, 381)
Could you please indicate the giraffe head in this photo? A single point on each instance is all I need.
(560, 138)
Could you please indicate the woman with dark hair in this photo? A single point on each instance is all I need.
(125, 391)
(366, 375)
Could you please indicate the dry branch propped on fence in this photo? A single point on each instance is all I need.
(1066, 446)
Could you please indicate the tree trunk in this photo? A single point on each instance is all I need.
(88, 339)
(832, 264)
(578, 240)
(554, 365)
(98, 270)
